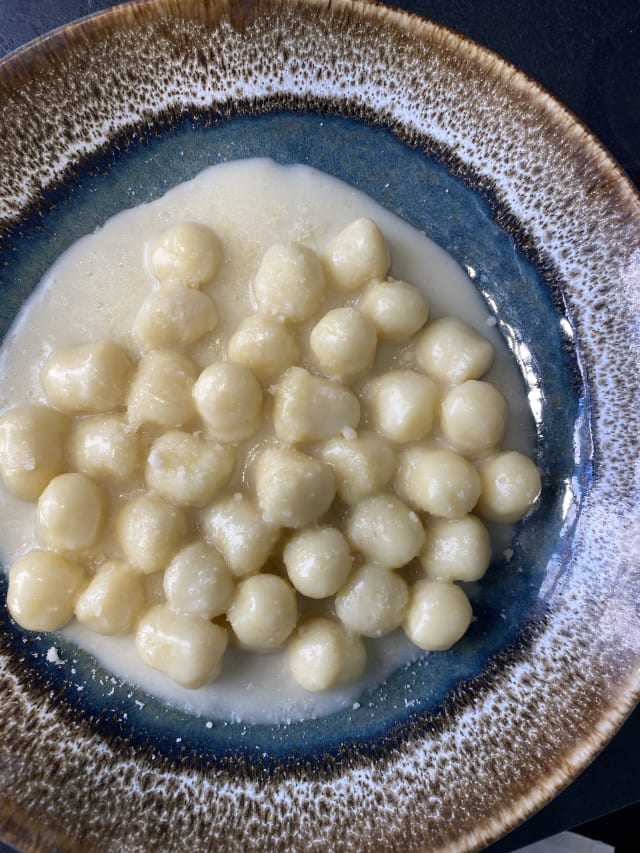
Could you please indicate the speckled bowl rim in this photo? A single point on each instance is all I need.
(588, 181)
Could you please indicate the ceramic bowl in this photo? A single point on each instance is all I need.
(456, 749)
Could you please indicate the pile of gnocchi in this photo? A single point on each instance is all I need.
(326, 481)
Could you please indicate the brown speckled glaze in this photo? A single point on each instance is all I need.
(505, 745)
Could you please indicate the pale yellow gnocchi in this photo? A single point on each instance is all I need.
(317, 472)
(32, 449)
(184, 255)
(87, 378)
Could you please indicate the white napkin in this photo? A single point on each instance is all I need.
(567, 842)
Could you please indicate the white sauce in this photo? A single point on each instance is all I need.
(94, 291)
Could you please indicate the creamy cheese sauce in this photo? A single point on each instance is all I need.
(94, 292)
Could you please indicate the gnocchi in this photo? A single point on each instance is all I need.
(397, 309)
(113, 599)
(343, 343)
(71, 513)
(357, 255)
(289, 282)
(322, 654)
(239, 531)
(293, 489)
(105, 447)
(317, 472)
(32, 449)
(149, 531)
(87, 377)
(265, 345)
(373, 601)
(187, 649)
(318, 561)
(187, 470)
(228, 398)
(263, 612)
(174, 318)
(161, 390)
(401, 405)
(310, 408)
(184, 255)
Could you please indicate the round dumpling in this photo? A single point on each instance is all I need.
(185, 255)
(452, 352)
(373, 601)
(188, 470)
(174, 318)
(161, 390)
(385, 530)
(228, 398)
(322, 654)
(32, 449)
(510, 484)
(293, 489)
(438, 615)
(437, 481)
(264, 612)
(87, 378)
(289, 283)
(265, 345)
(357, 255)
(396, 309)
(43, 588)
(71, 513)
(318, 561)
(343, 343)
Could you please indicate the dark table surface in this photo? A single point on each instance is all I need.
(587, 54)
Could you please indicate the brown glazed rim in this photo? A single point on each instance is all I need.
(601, 676)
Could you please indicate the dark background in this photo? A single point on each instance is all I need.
(587, 54)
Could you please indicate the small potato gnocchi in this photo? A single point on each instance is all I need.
(149, 530)
(473, 417)
(184, 255)
(105, 447)
(438, 615)
(186, 648)
(361, 465)
(373, 601)
(228, 398)
(293, 489)
(43, 588)
(237, 529)
(385, 530)
(113, 599)
(87, 378)
(343, 343)
(32, 449)
(161, 390)
(321, 654)
(318, 561)
(401, 405)
(456, 549)
(357, 255)
(265, 345)
(174, 318)
(198, 582)
(188, 470)
(263, 612)
(289, 282)
(71, 513)
(219, 489)
(452, 352)
(397, 309)
(510, 484)
(437, 481)
(310, 408)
